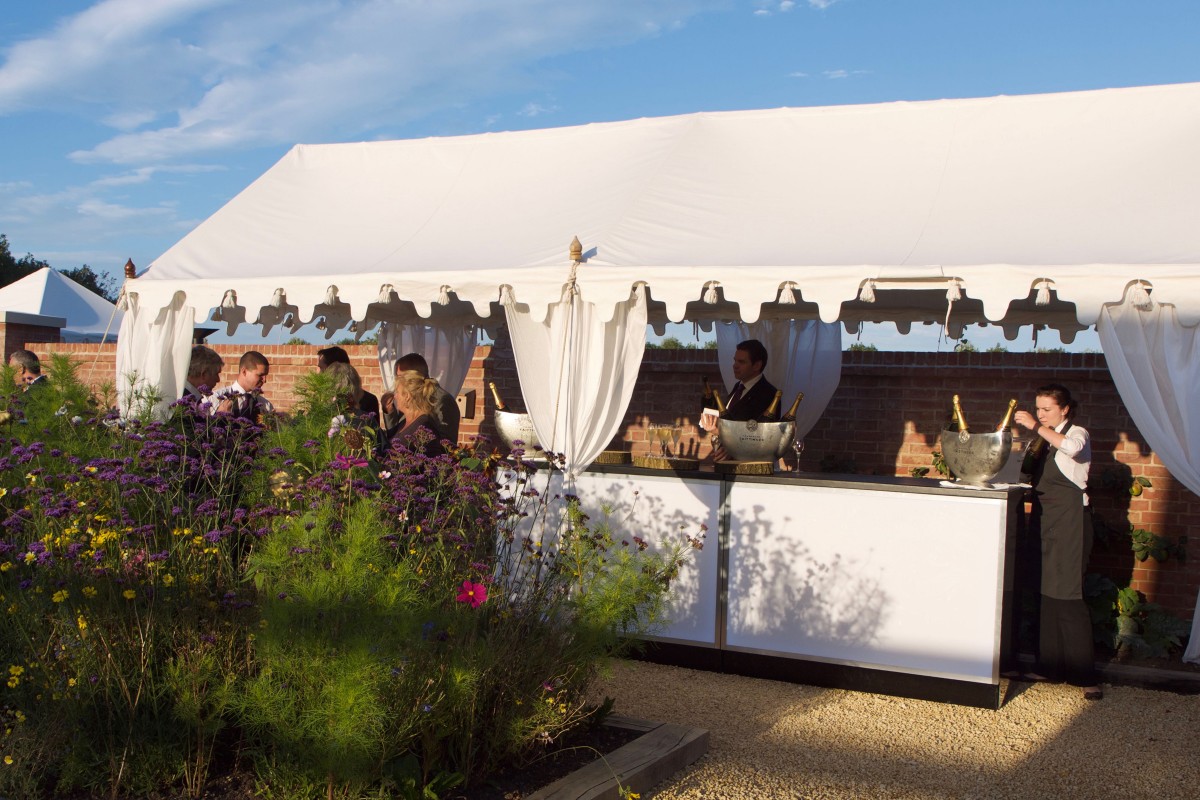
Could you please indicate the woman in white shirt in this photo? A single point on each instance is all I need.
(1060, 514)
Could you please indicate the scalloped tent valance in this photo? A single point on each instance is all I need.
(1029, 209)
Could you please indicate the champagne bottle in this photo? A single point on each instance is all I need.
(959, 418)
(1006, 423)
(496, 396)
(720, 403)
(791, 412)
(772, 412)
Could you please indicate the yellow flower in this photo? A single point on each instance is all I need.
(13, 681)
(16, 670)
(6, 566)
(30, 557)
(29, 476)
(3, 491)
(129, 594)
(89, 591)
(8, 760)
(59, 596)
(81, 622)
(168, 579)
(70, 681)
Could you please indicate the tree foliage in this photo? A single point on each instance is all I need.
(12, 269)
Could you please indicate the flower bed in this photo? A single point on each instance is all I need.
(284, 595)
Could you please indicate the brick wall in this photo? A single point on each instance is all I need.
(14, 335)
(884, 420)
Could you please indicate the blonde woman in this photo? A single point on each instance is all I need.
(414, 397)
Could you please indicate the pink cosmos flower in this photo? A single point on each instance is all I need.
(473, 593)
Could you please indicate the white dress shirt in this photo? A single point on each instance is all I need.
(1074, 455)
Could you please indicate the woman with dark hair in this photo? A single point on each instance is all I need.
(1061, 517)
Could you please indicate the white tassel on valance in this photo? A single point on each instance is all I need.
(385, 293)
(1043, 293)
(787, 294)
(444, 295)
(710, 292)
(331, 296)
(1139, 296)
(867, 292)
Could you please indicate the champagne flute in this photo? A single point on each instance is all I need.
(797, 448)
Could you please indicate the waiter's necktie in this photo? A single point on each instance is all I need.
(736, 394)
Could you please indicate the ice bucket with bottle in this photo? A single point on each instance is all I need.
(751, 440)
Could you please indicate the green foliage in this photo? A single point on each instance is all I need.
(370, 625)
(964, 346)
(102, 284)
(1146, 544)
(1123, 620)
(675, 343)
(350, 341)
(12, 269)
(864, 348)
(997, 348)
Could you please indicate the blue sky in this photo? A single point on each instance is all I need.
(124, 123)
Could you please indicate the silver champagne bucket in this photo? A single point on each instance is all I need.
(751, 440)
(513, 427)
(976, 458)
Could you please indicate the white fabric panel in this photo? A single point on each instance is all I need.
(1192, 654)
(578, 372)
(1000, 192)
(801, 357)
(448, 351)
(1155, 363)
(153, 352)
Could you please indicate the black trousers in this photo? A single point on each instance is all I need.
(1065, 650)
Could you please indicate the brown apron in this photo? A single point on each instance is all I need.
(1065, 528)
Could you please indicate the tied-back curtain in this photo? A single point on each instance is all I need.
(153, 355)
(1155, 363)
(448, 351)
(578, 372)
(802, 356)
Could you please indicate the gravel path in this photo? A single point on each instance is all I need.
(776, 740)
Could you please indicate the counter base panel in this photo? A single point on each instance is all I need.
(824, 674)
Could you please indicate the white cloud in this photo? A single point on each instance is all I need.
(839, 74)
(118, 213)
(797, 74)
(536, 110)
(227, 74)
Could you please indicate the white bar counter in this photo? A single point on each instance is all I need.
(893, 585)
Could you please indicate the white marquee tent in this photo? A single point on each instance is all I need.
(48, 292)
(1066, 210)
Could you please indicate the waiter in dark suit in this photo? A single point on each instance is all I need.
(752, 393)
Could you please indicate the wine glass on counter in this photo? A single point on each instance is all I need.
(798, 449)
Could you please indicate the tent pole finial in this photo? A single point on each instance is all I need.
(576, 250)
(130, 269)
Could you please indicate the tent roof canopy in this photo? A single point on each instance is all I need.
(1069, 197)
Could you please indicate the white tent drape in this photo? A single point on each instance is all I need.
(153, 354)
(802, 356)
(577, 371)
(448, 351)
(1155, 363)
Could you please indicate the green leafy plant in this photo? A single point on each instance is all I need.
(1124, 621)
(1146, 544)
